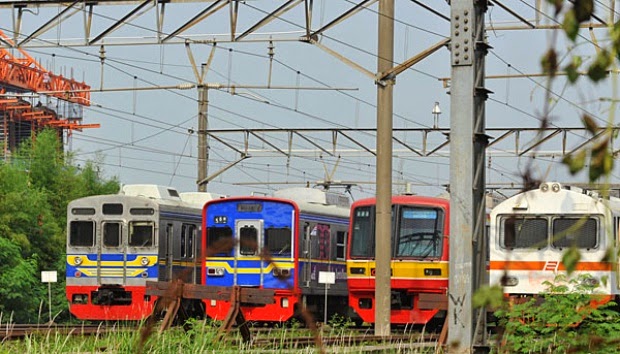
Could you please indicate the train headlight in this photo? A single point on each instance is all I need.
(544, 187)
(144, 261)
(216, 271)
(591, 282)
(77, 260)
(510, 281)
(281, 273)
(213, 303)
(556, 187)
(284, 302)
(79, 299)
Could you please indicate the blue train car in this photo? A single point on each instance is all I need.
(293, 243)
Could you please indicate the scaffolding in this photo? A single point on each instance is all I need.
(60, 103)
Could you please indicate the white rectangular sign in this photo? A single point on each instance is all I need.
(327, 277)
(49, 276)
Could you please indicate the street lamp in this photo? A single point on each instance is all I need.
(436, 113)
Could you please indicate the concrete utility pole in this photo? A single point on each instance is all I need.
(203, 143)
(468, 142)
(383, 228)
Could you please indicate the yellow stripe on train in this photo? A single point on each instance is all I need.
(400, 269)
(85, 262)
(112, 273)
(253, 270)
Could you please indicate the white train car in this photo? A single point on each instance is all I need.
(530, 232)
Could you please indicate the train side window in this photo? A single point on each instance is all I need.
(191, 234)
(580, 232)
(278, 241)
(112, 209)
(522, 232)
(112, 234)
(82, 234)
(219, 241)
(183, 241)
(187, 240)
(141, 234)
(341, 242)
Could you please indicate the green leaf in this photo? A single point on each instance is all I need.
(598, 69)
(601, 162)
(571, 25)
(570, 258)
(571, 73)
(575, 162)
(589, 123)
(583, 9)
(549, 63)
(489, 296)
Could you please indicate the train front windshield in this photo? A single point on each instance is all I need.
(520, 232)
(419, 232)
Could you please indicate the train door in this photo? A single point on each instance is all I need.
(169, 252)
(248, 265)
(112, 254)
(188, 252)
(307, 255)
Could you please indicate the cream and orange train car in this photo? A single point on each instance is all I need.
(530, 232)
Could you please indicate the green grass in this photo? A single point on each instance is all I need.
(202, 338)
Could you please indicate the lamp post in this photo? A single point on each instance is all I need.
(436, 113)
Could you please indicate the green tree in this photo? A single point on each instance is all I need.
(35, 189)
(18, 284)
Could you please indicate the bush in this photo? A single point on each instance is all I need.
(568, 317)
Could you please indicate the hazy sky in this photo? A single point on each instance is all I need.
(145, 135)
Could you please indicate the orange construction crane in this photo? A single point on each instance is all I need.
(27, 74)
(19, 120)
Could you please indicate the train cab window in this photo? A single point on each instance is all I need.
(362, 236)
(82, 234)
(141, 234)
(248, 241)
(112, 209)
(580, 232)
(219, 241)
(419, 232)
(524, 232)
(278, 241)
(112, 234)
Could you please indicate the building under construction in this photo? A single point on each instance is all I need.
(32, 98)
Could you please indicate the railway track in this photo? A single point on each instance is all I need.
(15, 331)
(262, 339)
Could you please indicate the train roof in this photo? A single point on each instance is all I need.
(198, 199)
(302, 195)
(310, 200)
(553, 197)
(163, 195)
(151, 191)
(407, 198)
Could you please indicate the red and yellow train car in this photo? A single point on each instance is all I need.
(420, 244)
